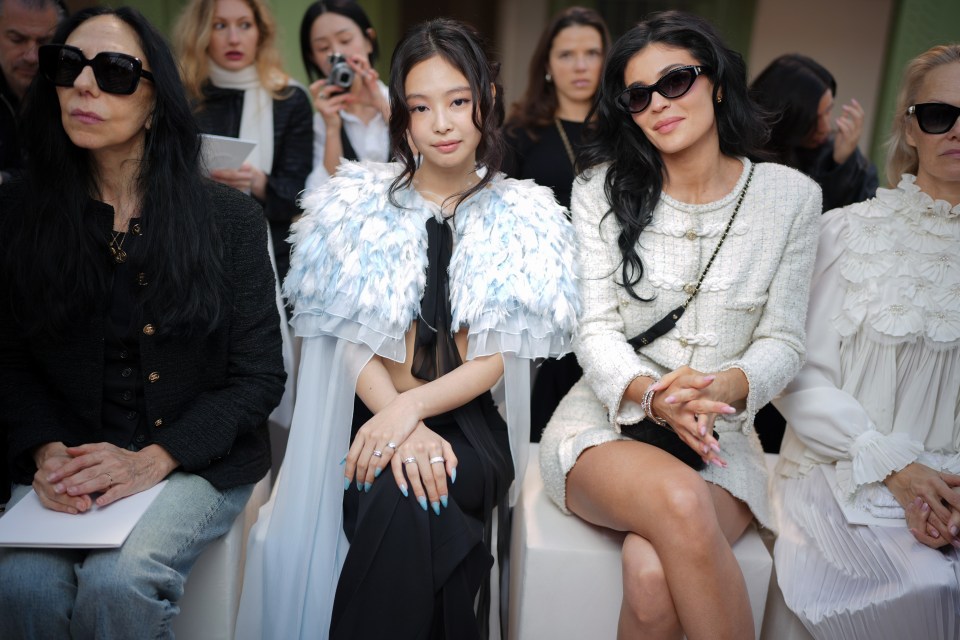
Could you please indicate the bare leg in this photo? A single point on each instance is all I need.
(634, 487)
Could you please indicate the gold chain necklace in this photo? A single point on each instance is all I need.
(566, 144)
(116, 248)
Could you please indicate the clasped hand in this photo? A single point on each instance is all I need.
(931, 501)
(690, 401)
(68, 477)
(415, 453)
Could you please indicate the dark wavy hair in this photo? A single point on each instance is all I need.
(464, 48)
(539, 104)
(634, 179)
(58, 254)
(347, 9)
(790, 89)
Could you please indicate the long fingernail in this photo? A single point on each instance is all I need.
(934, 533)
(728, 410)
(403, 490)
(359, 486)
(436, 507)
(710, 378)
(423, 502)
(376, 472)
(715, 447)
(58, 488)
(954, 530)
(453, 476)
(366, 487)
(703, 431)
(344, 460)
(444, 500)
(925, 507)
(346, 483)
(706, 448)
(917, 501)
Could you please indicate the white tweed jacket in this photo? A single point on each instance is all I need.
(751, 307)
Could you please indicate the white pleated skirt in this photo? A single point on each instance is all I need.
(857, 582)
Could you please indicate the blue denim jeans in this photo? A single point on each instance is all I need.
(129, 592)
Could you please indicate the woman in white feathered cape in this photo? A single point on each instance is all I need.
(360, 281)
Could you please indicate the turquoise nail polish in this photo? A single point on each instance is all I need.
(423, 502)
(366, 487)
(359, 486)
(346, 483)
(403, 490)
(342, 462)
(453, 476)
(376, 472)
(436, 507)
(444, 500)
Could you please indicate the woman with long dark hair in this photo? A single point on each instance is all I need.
(543, 136)
(798, 94)
(409, 293)
(695, 266)
(139, 336)
(353, 109)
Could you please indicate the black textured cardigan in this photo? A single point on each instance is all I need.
(207, 399)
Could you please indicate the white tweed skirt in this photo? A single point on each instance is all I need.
(581, 422)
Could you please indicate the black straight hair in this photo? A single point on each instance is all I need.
(57, 257)
(346, 8)
(790, 89)
(634, 178)
(464, 49)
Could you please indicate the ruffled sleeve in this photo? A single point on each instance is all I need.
(512, 275)
(829, 421)
(358, 265)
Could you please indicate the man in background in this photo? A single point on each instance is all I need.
(24, 26)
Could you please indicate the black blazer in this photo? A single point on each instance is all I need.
(207, 399)
(220, 113)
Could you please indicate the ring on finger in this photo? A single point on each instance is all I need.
(377, 453)
(109, 478)
(392, 445)
(436, 459)
(410, 460)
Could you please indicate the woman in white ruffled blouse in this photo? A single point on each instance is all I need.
(877, 405)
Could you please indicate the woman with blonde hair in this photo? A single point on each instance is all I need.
(233, 74)
(877, 405)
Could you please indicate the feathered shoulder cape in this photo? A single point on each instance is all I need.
(359, 263)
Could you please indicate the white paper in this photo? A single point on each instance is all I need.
(223, 152)
(853, 513)
(29, 524)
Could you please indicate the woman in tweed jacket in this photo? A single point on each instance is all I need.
(666, 171)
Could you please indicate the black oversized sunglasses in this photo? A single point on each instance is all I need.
(674, 84)
(934, 117)
(118, 73)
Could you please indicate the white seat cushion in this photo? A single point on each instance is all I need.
(565, 578)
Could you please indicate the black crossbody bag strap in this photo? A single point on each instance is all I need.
(669, 321)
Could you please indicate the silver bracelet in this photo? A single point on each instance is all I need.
(647, 405)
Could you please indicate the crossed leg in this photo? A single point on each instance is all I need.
(679, 572)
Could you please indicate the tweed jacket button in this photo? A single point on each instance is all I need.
(158, 422)
(689, 288)
(153, 377)
(684, 343)
(691, 235)
(148, 329)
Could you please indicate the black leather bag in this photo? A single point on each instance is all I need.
(664, 438)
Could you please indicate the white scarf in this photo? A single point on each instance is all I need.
(256, 120)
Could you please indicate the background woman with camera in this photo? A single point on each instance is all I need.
(231, 69)
(339, 47)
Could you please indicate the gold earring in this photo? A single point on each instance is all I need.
(719, 97)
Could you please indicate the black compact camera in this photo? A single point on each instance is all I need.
(341, 73)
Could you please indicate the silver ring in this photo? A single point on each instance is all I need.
(392, 445)
(109, 477)
(436, 459)
(377, 453)
(410, 460)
